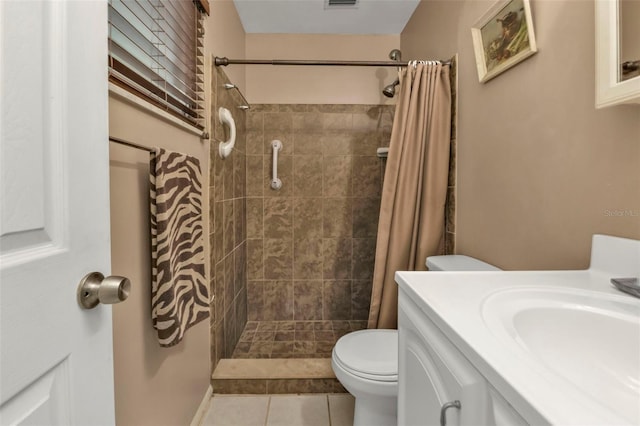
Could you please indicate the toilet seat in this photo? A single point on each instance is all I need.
(370, 354)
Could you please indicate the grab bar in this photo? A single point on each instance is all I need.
(225, 117)
(276, 146)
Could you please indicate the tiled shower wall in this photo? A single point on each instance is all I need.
(227, 197)
(450, 212)
(311, 244)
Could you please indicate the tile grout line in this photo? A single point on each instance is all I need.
(328, 408)
(293, 226)
(266, 419)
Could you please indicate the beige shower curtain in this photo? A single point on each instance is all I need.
(411, 224)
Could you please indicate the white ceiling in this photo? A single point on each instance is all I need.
(313, 16)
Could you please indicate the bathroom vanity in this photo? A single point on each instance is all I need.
(525, 347)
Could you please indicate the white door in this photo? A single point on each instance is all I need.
(55, 358)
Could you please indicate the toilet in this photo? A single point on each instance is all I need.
(366, 361)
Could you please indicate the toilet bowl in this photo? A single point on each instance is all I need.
(366, 361)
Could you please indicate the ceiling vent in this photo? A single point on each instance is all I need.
(341, 3)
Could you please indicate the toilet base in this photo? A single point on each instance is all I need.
(377, 411)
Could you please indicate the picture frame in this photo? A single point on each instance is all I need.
(503, 37)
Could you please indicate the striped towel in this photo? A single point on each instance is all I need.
(179, 292)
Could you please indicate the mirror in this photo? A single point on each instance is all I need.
(617, 52)
(629, 34)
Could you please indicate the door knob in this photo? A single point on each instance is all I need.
(94, 288)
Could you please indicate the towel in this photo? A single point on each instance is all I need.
(179, 291)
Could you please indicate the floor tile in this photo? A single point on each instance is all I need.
(341, 409)
(237, 411)
(298, 410)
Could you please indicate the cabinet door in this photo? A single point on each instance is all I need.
(424, 386)
(432, 372)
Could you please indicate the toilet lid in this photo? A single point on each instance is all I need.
(372, 354)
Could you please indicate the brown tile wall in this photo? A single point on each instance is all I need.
(311, 245)
(450, 212)
(227, 198)
(277, 386)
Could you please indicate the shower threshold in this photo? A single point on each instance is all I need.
(275, 376)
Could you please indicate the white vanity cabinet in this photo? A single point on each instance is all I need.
(433, 373)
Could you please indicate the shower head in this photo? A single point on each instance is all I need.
(390, 90)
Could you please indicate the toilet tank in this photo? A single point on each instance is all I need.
(458, 262)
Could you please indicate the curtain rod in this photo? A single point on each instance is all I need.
(130, 144)
(223, 62)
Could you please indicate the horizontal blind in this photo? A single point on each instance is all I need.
(155, 50)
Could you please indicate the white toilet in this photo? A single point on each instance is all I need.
(366, 361)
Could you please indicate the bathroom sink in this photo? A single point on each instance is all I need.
(591, 340)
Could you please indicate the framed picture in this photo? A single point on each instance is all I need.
(503, 37)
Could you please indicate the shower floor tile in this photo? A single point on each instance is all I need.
(292, 339)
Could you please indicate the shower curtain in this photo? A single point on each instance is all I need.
(412, 211)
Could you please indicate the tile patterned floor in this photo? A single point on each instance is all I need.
(280, 410)
(292, 339)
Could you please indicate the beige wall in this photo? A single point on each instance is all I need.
(318, 85)
(224, 36)
(152, 385)
(539, 169)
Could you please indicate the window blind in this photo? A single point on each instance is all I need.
(156, 51)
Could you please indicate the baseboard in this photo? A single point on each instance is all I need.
(203, 408)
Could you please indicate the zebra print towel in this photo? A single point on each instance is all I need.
(179, 292)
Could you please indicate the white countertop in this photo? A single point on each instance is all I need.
(454, 301)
